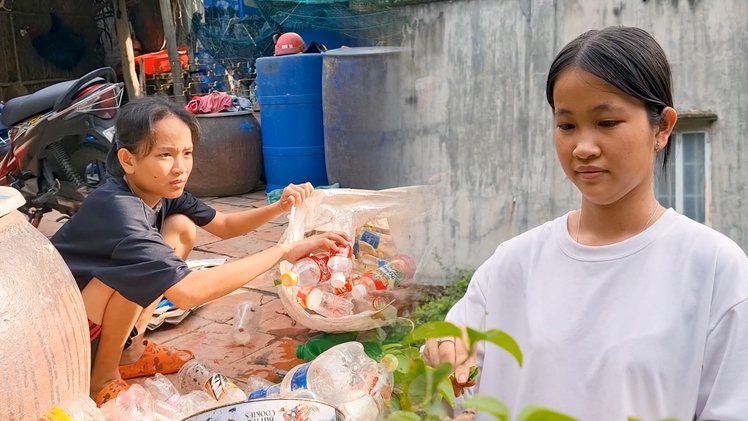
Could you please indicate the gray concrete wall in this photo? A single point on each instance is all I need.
(483, 66)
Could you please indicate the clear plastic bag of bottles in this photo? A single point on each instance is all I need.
(382, 227)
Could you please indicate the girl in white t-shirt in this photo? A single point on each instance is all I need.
(622, 308)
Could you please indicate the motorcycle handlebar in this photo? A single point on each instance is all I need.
(106, 73)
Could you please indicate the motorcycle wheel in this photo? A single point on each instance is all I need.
(90, 154)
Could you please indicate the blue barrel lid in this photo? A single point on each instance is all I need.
(365, 51)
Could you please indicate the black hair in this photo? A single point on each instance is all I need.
(135, 125)
(627, 58)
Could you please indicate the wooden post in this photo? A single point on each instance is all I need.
(170, 34)
(127, 57)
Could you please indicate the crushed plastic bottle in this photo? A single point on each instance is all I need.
(162, 389)
(195, 376)
(323, 302)
(400, 269)
(308, 271)
(336, 376)
(273, 391)
(257, 383)
(246, 319)
(163, 411)
(194, 402)
(341, 265)
(78, 407)
(133, 404)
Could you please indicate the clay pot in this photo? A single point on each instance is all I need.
(45, 354)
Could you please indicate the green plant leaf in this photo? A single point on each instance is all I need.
(441, 372)
(536, 413)
(447, 391)
(473, 374)
(633, 419)
(506, 342)
(403, 416)
(417, 389)
(403, 364)
(432, 330)
(391, 348)
(474, 336)
(489, 405)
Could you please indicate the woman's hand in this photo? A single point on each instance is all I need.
(294, 194)
(455, 352)
(322, 242)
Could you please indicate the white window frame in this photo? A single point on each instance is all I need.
(677, 163)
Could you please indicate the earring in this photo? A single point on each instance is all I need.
(657, 147)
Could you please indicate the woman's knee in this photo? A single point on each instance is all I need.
(180, 233)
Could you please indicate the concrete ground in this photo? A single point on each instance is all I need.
(207, 331)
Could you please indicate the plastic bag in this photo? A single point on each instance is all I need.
(348, 210)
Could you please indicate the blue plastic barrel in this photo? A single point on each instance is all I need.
(289, 90)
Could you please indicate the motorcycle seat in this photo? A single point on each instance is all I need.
(20, 108)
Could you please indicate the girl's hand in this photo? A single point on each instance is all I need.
(294, 194)
(322, 242)
(455, 352)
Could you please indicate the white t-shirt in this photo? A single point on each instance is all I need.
(652, 327)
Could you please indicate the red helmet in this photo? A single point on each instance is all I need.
(289, 43)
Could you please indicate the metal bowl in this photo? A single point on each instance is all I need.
(272, 410)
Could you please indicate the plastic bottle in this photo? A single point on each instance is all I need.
(369, 303)
(162, 389)
(366, 262)
(376, 391)
(323, 303)
(333, 376)
(376, 244)
(163, 411)
(273, 391)
(196, 401)
(133, 404)
(78, 407)
(400, 269)
(341, 265)
(308, 271)
(195, 376)
(246, 319)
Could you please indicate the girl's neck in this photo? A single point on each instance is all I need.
(608, 224)
(150, 200)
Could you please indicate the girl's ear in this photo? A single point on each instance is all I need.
(127, 160)
(663, 131)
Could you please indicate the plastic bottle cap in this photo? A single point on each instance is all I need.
(338, 280)
(289, 278)
(390, 363)
(359, 291)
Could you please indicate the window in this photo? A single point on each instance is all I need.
(685, 187)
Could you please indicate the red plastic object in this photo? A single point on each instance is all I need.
(158, 62)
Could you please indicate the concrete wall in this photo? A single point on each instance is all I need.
(481, 95)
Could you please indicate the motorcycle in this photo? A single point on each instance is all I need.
(59, 137)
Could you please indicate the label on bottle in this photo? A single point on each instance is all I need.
(298, 381)
(56, 414)
(387, 276)
(218, 385)
(371, 238)
(324, 271)
(301, 296)
(271, 391)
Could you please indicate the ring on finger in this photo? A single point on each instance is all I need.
(440, 340)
